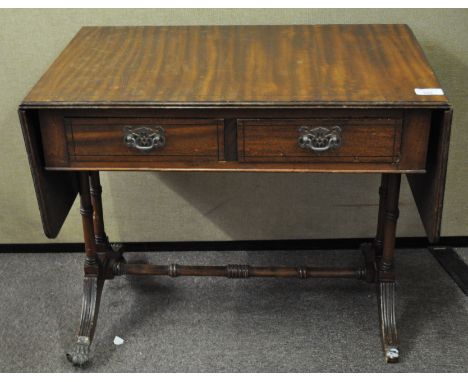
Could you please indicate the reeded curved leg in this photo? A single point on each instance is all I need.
(92, 290)
(386, 294)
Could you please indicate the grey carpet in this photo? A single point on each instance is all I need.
(220, 325)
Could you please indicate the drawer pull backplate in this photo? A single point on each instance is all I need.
(319, 139)
(144, 138)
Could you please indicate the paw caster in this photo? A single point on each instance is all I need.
(392, 355)
(79, 354)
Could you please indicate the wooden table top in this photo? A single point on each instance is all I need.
(227, 66)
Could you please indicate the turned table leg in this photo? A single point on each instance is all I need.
(388, 216)
(378, 242)
(112, 252)
(100, 236)
(373, 251)
(93, 279)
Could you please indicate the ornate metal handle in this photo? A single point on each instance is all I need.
(319, 139)
(144, 138)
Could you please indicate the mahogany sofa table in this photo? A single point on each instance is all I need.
(304, 98)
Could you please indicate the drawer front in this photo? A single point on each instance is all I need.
(142, 139)
(368, 140)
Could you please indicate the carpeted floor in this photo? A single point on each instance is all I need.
(221, 325)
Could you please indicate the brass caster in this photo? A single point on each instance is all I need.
(392, 355)
(79, 354)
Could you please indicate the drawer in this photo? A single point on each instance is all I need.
(368, 140)
(350, 140)
(142, 139)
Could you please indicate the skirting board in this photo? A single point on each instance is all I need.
(243, 245)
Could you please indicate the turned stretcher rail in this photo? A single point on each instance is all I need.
(237, 271)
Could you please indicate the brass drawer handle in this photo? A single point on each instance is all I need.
(319, 139)
(144, 138)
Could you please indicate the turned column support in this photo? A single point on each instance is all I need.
(93, 279)
(113, 252)
(86, 211)
(102, 242)
(383, 190)
(388, 216)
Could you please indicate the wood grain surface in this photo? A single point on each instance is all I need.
(185, 139)
(362, 140)
(55, 191)
(91, 139)
(230, 73)
(312, 65)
